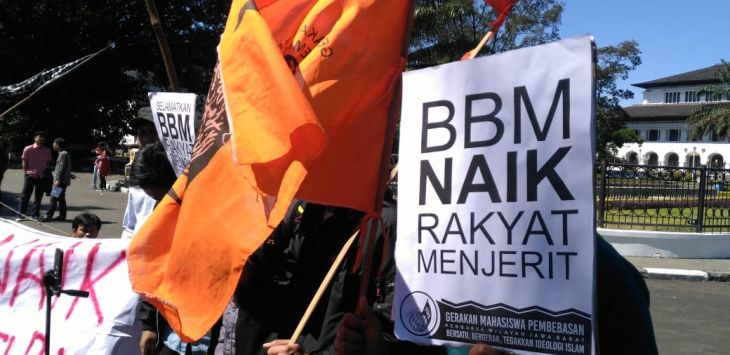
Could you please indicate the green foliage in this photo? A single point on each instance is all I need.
(713, 117)
(443, 30)
(613, 64)
(97, 100)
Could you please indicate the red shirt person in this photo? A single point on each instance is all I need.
(35, 160)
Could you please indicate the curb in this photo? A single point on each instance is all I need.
(683, 274)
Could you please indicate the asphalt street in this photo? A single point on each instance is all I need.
(690, 317)
(80, 197)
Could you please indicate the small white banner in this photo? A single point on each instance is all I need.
(174, 116)
(102, 323)
(495, 202)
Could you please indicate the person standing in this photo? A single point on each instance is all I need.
(34, 160)
(100, 147)
(61, 181)
(103, 167)
(139, 205)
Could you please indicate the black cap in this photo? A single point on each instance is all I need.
(144, 116)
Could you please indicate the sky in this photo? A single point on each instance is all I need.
(674, 36)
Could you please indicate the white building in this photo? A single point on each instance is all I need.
(661, 120)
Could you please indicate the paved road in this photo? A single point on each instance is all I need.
(691, 317)
(109, 206)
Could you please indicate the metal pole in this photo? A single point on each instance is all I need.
(602, 196)
(47, 346)
(701, 205)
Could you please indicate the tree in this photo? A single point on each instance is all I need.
(713, 117)
(613, 63)
(443, 30)
(97, 100)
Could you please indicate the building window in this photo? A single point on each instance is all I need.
(674, 135)
(715, 137)
(652, 135)
(693, 160)
(652, 159)
(671, 97)
(709, 97)
(716, 161)
(673, 159)
(632, 157)
(691, 96)
(637, 132)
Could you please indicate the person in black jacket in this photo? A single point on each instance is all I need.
(623, 318)
(61, 182)
(282, 276)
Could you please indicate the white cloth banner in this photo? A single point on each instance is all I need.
(495, 202)
(174, 116)
(99, 324)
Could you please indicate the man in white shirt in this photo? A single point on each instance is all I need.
(139, 204)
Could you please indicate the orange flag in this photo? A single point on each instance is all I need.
(297, 106)
(188, 256)
(348, 56)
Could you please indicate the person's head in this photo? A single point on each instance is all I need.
(59, 144)
(85, 225)
(152, 171)
(145, 127)
(39, 137)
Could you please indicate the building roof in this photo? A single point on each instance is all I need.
(696, 77)
(659, 112)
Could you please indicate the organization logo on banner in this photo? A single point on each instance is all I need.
(419, 313)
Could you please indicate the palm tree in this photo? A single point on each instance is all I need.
(713, 117)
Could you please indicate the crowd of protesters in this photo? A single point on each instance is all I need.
(281, 277)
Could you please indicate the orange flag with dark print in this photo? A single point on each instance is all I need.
(297, 107)
(348, 56)
(187, 257)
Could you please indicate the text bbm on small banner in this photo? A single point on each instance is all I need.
(495, 202)
(174, 116)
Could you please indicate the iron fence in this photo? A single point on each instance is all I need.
(663, 198)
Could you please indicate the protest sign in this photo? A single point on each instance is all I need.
(495, 202)
(174, 116)
(99, 324)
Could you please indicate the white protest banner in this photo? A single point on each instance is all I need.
(174, 116)
(495, 202)
(99, 324)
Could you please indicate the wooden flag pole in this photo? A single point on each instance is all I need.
(383, 175)
(322, 288)
(164, 47)
(473, 53)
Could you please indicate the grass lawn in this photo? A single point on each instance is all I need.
(666, 219)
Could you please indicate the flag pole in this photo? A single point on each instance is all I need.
(322, 288)
(164, 47)
(473, 53)
(88, 58)
(383, 178)
(384, 173)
